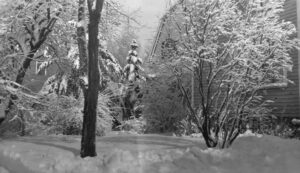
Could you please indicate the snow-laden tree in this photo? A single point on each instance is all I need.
(234, 49)
(28, 25)
(72, 76)
(133, 65)
(132, 77)
(119, 46)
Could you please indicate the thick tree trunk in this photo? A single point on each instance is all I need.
(88, 146)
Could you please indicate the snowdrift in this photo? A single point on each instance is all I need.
(146, 153)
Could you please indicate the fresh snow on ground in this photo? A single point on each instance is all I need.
(149, 153)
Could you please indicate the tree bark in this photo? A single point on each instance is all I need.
(81, 38)
(128, 105)
(76, 84)
(88, 146)
(19, 80)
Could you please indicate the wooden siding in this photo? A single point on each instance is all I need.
(286, 100)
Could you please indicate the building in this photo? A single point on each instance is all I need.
(286, 96)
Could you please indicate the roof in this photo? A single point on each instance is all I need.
(172, 9)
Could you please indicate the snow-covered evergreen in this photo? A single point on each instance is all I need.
(133, 63)
(132, 77)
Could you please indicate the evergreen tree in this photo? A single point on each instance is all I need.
(131, 71)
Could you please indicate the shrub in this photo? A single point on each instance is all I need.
(136, 125)
(164, 116)
(163, 105)
(64, 116)
(233, 53)
(277, 126)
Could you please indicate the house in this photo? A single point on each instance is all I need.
(286, 96)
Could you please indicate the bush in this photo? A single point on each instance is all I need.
(232, 58)
(163, 105)
(136, 125)
(164, 117)
(64, 116)
(277, 126)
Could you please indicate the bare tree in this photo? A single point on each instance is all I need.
(234, 49)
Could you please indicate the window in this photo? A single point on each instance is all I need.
(168, 48)
(278, 83)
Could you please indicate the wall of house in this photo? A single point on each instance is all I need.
(286, 99)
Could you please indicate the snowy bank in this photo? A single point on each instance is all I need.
(150, 153)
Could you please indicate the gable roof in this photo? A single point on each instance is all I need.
(162, 23)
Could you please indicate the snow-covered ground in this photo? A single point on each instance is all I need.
(149, 153)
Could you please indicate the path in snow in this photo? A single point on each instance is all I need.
(149, 154)
(135, 153)
(134, 143)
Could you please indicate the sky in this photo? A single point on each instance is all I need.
(149, 14)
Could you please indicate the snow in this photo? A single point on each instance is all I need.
(150, 153)
(94, 5)
(81, 23)
(3, 170)
(296, 121)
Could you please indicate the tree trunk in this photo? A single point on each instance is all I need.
(88, 146)
(19, 80)
(81, 38)
(77, 84)
(128, 106)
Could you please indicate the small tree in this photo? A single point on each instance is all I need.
(234, 48)
(131, 71)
